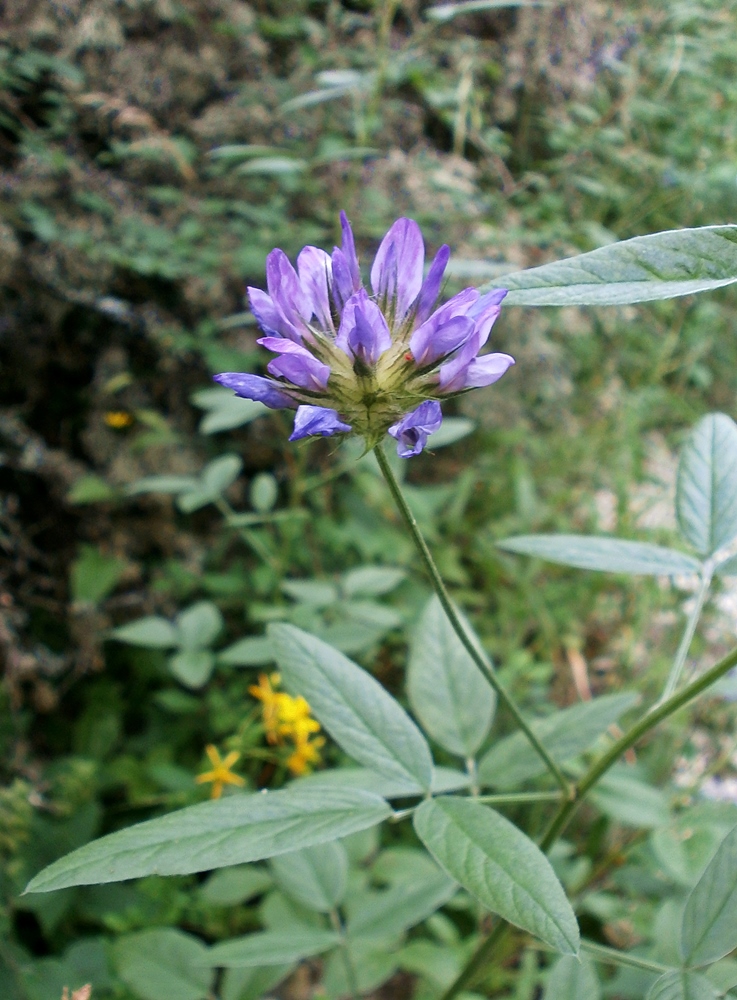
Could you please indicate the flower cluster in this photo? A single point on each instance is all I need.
(287, 719)
(371, 364)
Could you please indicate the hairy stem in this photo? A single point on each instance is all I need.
(449, 608)
(480, 960)
(693, 619)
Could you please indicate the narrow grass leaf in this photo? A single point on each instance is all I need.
(271, 948)
(360, 715)
(609, 555)
(643, 269)
(447, 691)
(500, 866)
(709, 929)
(316, 876)
(217, 834)
(706, 491)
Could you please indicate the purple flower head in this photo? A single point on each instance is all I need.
(317, 420)
(372, 361)
(412, 431)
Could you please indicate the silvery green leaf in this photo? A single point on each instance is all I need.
(315, 876)
(709, 929)
(500, 866)
(153, 632)
(271, 948)
(359, 714)
(264, 492)
(572, 978)
(680, 985)
(319, 593)
(447, 691)
(219, 474)
(451, 430)
(216, 834)
(162, 484)
(643, 269)
(163, 962)
(373, 963)
(565, 735)
(234, 885)
(610, 555)
(195, 499)
(393, 911)
(627, 799)
(199, 625)
(225, 411)
(444, 779)
(447, 11)
(252, 984)
(371, 581)
(192, 667)
(273, 166)
(253, 651)
(706, 490)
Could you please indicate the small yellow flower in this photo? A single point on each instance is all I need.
(306, 754)
(221, 773)
(118, 419)
(266, 694)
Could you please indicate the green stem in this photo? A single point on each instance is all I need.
(449, 608)
(350, 971)
(611, 955)
(479, 961)
(519, 797)
(678, 663)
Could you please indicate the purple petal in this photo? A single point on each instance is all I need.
(485, 312)
(248, 386)
(342, 281)
(297, 365)
(431, 286)
(431, 341)
(452, 374)
(286, 291)
(396, 273)
(269, 316)
(363, 332)
(412, 431)
(486, 370)
(348, 246)
(310, 420)
(315, 271)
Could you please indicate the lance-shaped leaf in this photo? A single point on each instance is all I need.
(500, 866)
(316, 876)
(645, 268)
(565, 735)
(610, 555)
(272, 948)
(360, 715)
(390, 913)
(447, 691)
(679, 985)
(709, 930)
(706, 492)
(217, 834)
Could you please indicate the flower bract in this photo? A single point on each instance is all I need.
(369, 362)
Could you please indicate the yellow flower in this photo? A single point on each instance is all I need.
(266, 694)
(118, 419)
(221, 773)
(305, 755)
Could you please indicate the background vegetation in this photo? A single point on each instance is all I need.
(151, 153)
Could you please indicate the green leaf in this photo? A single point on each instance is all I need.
(610, 555)
(316, 877)
(709, 929)
(163, 963)
(253, 651)
(264, 492)
(319, 593)
(271, 948)
(500, 866)
(225, 411)
(94, 574)
(219, 474)
(192, 667)
(706, 492)
(678, 985)
(447, 11)
(643, 269)
(252, 984)
(444, 779)
(91, 489)
(152, 632)
(217, 834)
(572, 979)
(232, 886)
(371, 581)
(354, 708)
(162, 484)
(447, 691)
(372, 964)
(626, 799)
(199, 625)
(565, 735)
(451, 430)
(393, 911)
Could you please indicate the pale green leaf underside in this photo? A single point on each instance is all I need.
(360, 715)
(709, 929)
(610, 555)
(642, 269)
(706, 494)
(500, 866)
(565, 735)
(217, 834)
(677, 985)
(272, 948)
